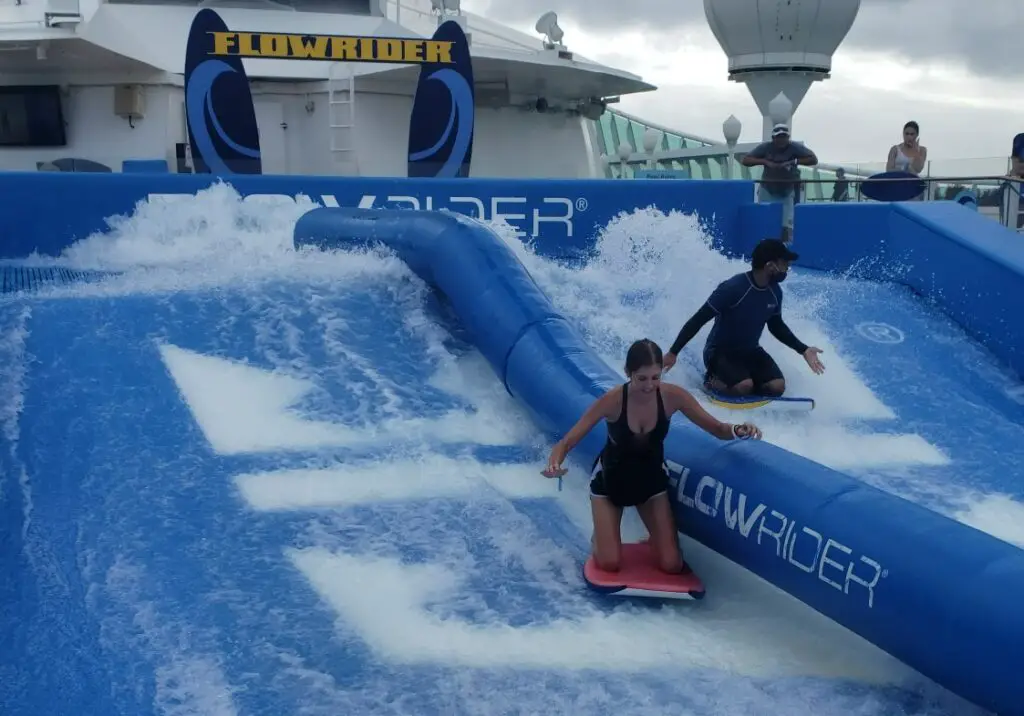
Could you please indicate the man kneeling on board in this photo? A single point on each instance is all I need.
(741, 307)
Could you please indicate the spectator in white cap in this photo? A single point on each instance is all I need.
(780, 178)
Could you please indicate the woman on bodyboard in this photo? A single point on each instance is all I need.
(632, 464)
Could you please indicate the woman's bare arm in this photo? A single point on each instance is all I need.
(603, 407)
(920, 160)
(680, 399)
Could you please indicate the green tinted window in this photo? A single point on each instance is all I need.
(715, 168)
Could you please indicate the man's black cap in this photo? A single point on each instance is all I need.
(770, 250)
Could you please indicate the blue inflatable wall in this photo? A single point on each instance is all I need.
(875, 563)
(969, 265)
(48, 211)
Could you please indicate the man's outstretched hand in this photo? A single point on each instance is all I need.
(667, 361)
(811, 356)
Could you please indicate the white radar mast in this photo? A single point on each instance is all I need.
(780, 45)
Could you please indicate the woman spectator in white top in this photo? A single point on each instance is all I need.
(908, 155)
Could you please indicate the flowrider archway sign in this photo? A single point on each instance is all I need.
(221, 119)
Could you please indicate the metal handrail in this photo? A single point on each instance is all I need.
(1005, 190)
(926, 179)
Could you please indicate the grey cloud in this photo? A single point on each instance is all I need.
(983, 36)
(986, 41)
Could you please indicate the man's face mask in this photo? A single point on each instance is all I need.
(778, 273)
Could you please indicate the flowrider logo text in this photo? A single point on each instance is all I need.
(801, 546)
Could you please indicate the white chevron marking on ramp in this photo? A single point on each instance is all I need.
(430, 476)
(245, 409)
(390, 606)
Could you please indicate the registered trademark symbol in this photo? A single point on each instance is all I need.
(885, 572)
(582, 204)
(881, 333)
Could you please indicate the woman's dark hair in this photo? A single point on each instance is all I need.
(912, 125)
(642, 354)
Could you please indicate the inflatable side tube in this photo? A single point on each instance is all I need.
(881, 566)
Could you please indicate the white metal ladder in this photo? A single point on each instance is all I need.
(341, 115)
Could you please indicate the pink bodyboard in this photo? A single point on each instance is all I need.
(639, 576)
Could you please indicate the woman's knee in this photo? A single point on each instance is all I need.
(667, 553)
(665, 539)
(670, 560)
(608, 559)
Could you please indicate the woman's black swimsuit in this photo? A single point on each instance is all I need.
(632, 465)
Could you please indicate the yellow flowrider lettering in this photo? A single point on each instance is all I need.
(274, 46)
(248, 44)
(224, 42)
(304, 48)
(389, 50)
(336, 48)
(439, 51)
(366, 49)
(345, 48)
(412, 50)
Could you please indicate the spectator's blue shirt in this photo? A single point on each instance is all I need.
(741, 311)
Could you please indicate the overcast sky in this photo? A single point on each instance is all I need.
(958, 73)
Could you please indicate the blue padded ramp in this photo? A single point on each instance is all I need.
(887, 569)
